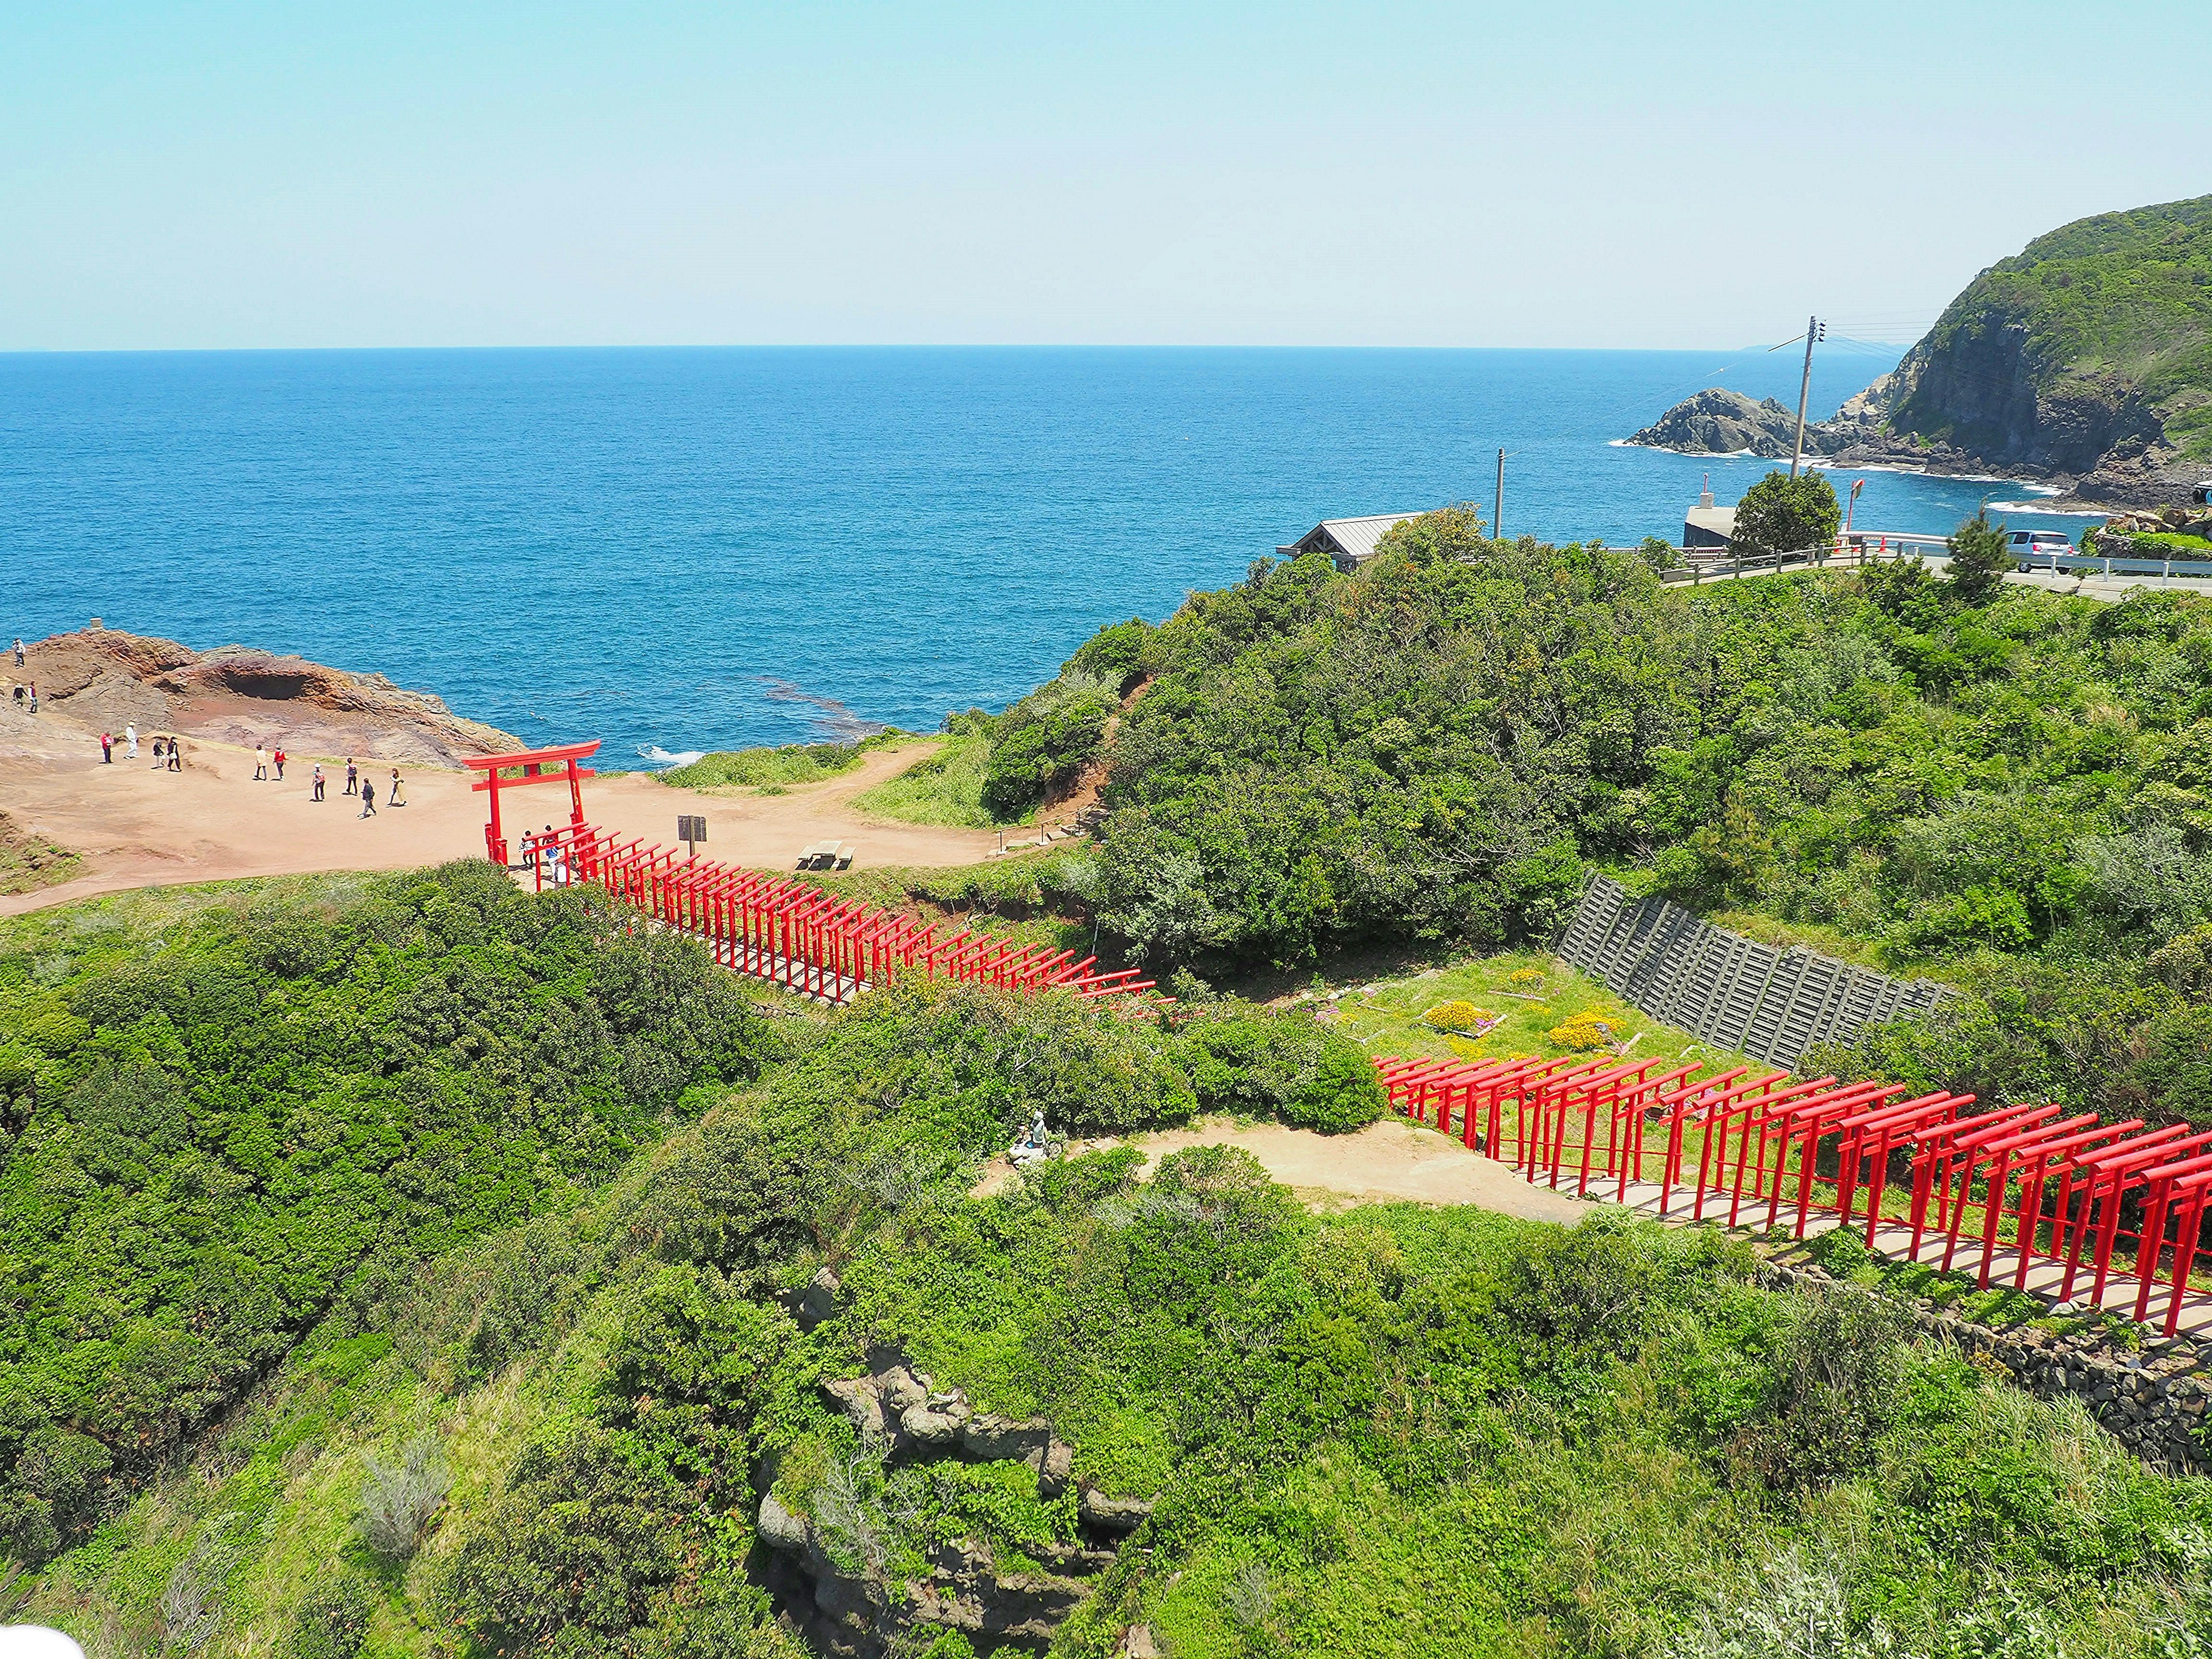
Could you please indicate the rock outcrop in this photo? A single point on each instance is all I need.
(2085, 361)
(1718, 421)
(851, 1606)
(234, 694)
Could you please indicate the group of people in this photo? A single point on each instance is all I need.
(168, 751)
(268, 763)
(24, 692)
(546, 854)
(395, 794)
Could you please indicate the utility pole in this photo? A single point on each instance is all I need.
(1498, 510)
(1815, 330)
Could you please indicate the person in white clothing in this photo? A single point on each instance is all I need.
(130, 743)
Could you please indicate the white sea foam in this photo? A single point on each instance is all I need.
(2055, 512)
(661, 756)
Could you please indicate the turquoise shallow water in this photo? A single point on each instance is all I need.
(693, 548)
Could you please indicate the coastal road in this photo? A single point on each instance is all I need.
(134, 826)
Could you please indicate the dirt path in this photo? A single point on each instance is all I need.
(138, 827)
(1384, 1163)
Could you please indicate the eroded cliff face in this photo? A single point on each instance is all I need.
(234, 694)
(1987, 393)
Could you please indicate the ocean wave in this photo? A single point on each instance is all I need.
(2054, 512)
(659, 756)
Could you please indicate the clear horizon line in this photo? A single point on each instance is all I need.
(1866, 347)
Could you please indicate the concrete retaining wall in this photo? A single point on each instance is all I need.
(1772, 1002)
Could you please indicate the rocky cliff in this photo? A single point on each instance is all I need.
(2084, 360)
(1717, 422)
(234, 694)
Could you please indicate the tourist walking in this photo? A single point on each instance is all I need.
(260, 764)
(18, 696)
(35, 697)
(157, 754)
(279, 758)
(131, 742)
(106, 749)
(353, 785)
(318, 781)
(368, 798)
(391, 796)
(176, 754)
(19, 652)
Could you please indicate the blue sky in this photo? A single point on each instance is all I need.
(223, 175)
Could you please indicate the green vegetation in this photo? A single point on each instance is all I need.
(778, 769)
(413, 1266)
(1979, 559)
(1529, 993)
(2016, 796)
(1783, 515)
(28, 862)
(2108, 316)
(945, 787)
(1044, 741)
(221, 1130)
(1391, 1431)
(2154, 544)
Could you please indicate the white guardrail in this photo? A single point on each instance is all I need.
(1861, 547)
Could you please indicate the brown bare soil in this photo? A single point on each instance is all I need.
(1390, 1162)
(134, 826)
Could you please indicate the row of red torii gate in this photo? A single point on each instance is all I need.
(2045, 1197)
(1912, 1171)
(791, 932)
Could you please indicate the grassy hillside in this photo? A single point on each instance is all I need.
(1392, 1431)
(2100, 314)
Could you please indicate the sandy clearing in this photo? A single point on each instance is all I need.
(1389, 1162)
(138, 827)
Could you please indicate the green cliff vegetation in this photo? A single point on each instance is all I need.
(2093, 322)
(222, 1127)
(411, 1264)
(778, 769)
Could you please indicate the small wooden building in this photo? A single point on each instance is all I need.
(1349, 542)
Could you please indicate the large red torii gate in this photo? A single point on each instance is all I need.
(533, 762)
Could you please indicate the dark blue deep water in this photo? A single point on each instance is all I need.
(695, 549)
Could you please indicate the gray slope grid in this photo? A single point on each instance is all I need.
(1772, 1002)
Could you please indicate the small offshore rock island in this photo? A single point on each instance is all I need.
(2084, 361)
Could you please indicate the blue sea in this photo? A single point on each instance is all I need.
(685, 549)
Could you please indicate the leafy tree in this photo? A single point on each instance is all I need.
(1979, 559)
(1783, 515)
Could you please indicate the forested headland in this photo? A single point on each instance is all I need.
(414, 1265)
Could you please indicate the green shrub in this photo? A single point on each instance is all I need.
(1044, 740)
(333, 1620)
(762, 769)
(1290, 1068)
(1835, 1386)
(261, 1117)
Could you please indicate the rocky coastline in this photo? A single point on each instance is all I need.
(240, 694)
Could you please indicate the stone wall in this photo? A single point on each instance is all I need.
(2153, 1401)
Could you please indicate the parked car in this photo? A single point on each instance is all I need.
(2038, 549)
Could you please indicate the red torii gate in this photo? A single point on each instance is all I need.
(533, 762)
